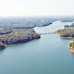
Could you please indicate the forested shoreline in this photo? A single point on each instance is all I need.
(17, 36)
(68, 32)
(15, 30)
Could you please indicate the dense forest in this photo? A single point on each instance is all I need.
(66, 32)
(24, 23)
(15, 30)
(2, 45)
(30, 22)
(16, 36)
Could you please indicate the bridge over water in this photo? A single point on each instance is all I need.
(47, 33)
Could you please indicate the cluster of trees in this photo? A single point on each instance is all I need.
(22, 23)
(5, 31)
(69, 20)
(2, 45)
(69, 26)
(30, 22)
(66, 32)
(18, 36)
(72, 45)
(26, 25)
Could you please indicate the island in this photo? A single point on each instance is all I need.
(16, 36)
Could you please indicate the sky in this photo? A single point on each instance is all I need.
(36, 7)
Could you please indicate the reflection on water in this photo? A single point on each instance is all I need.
(21, 44)
(67, 38)
(15, 45)
(1, 51)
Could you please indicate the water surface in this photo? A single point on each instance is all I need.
(48, 55)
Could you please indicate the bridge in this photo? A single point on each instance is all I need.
(47, 33)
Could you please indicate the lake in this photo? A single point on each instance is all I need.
(48, 55)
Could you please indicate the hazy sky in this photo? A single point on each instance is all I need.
(36, 7)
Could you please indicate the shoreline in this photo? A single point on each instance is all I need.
(67, 37)
(21, 42)
(71, 49)
(63, 37)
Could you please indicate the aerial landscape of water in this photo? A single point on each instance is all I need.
(48, 55)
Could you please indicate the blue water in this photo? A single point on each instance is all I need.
(48, 55)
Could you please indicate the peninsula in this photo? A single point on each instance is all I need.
(16, 36)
